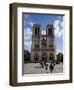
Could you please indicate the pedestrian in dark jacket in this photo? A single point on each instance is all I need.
(46, 67)
(51, 67)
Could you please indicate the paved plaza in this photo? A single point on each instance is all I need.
(32, 68)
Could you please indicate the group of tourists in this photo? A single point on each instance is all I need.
(48, 66)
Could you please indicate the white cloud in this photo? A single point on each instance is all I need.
(26, 16)
(27, 42)
(43, 32)
(31, 23)
(60, 33)
(27, 33)
(28, 23)
(27, 45)
(27, 38)
(59, 27)
(58, 51)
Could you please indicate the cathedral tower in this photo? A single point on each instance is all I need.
(50, 42)
(35, 53)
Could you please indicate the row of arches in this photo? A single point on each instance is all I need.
(43, 57)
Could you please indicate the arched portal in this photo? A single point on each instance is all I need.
(51, 57)
(36, 57)
(44, 57)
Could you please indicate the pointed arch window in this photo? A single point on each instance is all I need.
(37, 29)
(50, 31)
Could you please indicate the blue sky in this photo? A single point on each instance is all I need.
(56, 20)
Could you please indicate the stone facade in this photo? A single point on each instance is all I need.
(43, 45)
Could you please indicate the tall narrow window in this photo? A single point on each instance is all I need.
(36, 45)
(50, 32)
(37, 30)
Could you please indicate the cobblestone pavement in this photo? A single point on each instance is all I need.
(32, 68)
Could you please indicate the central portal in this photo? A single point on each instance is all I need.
(44, 57)
(51, 57)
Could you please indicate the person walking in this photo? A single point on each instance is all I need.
(46, 68)
(51, 67)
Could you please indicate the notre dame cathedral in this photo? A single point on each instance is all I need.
(43, 45)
